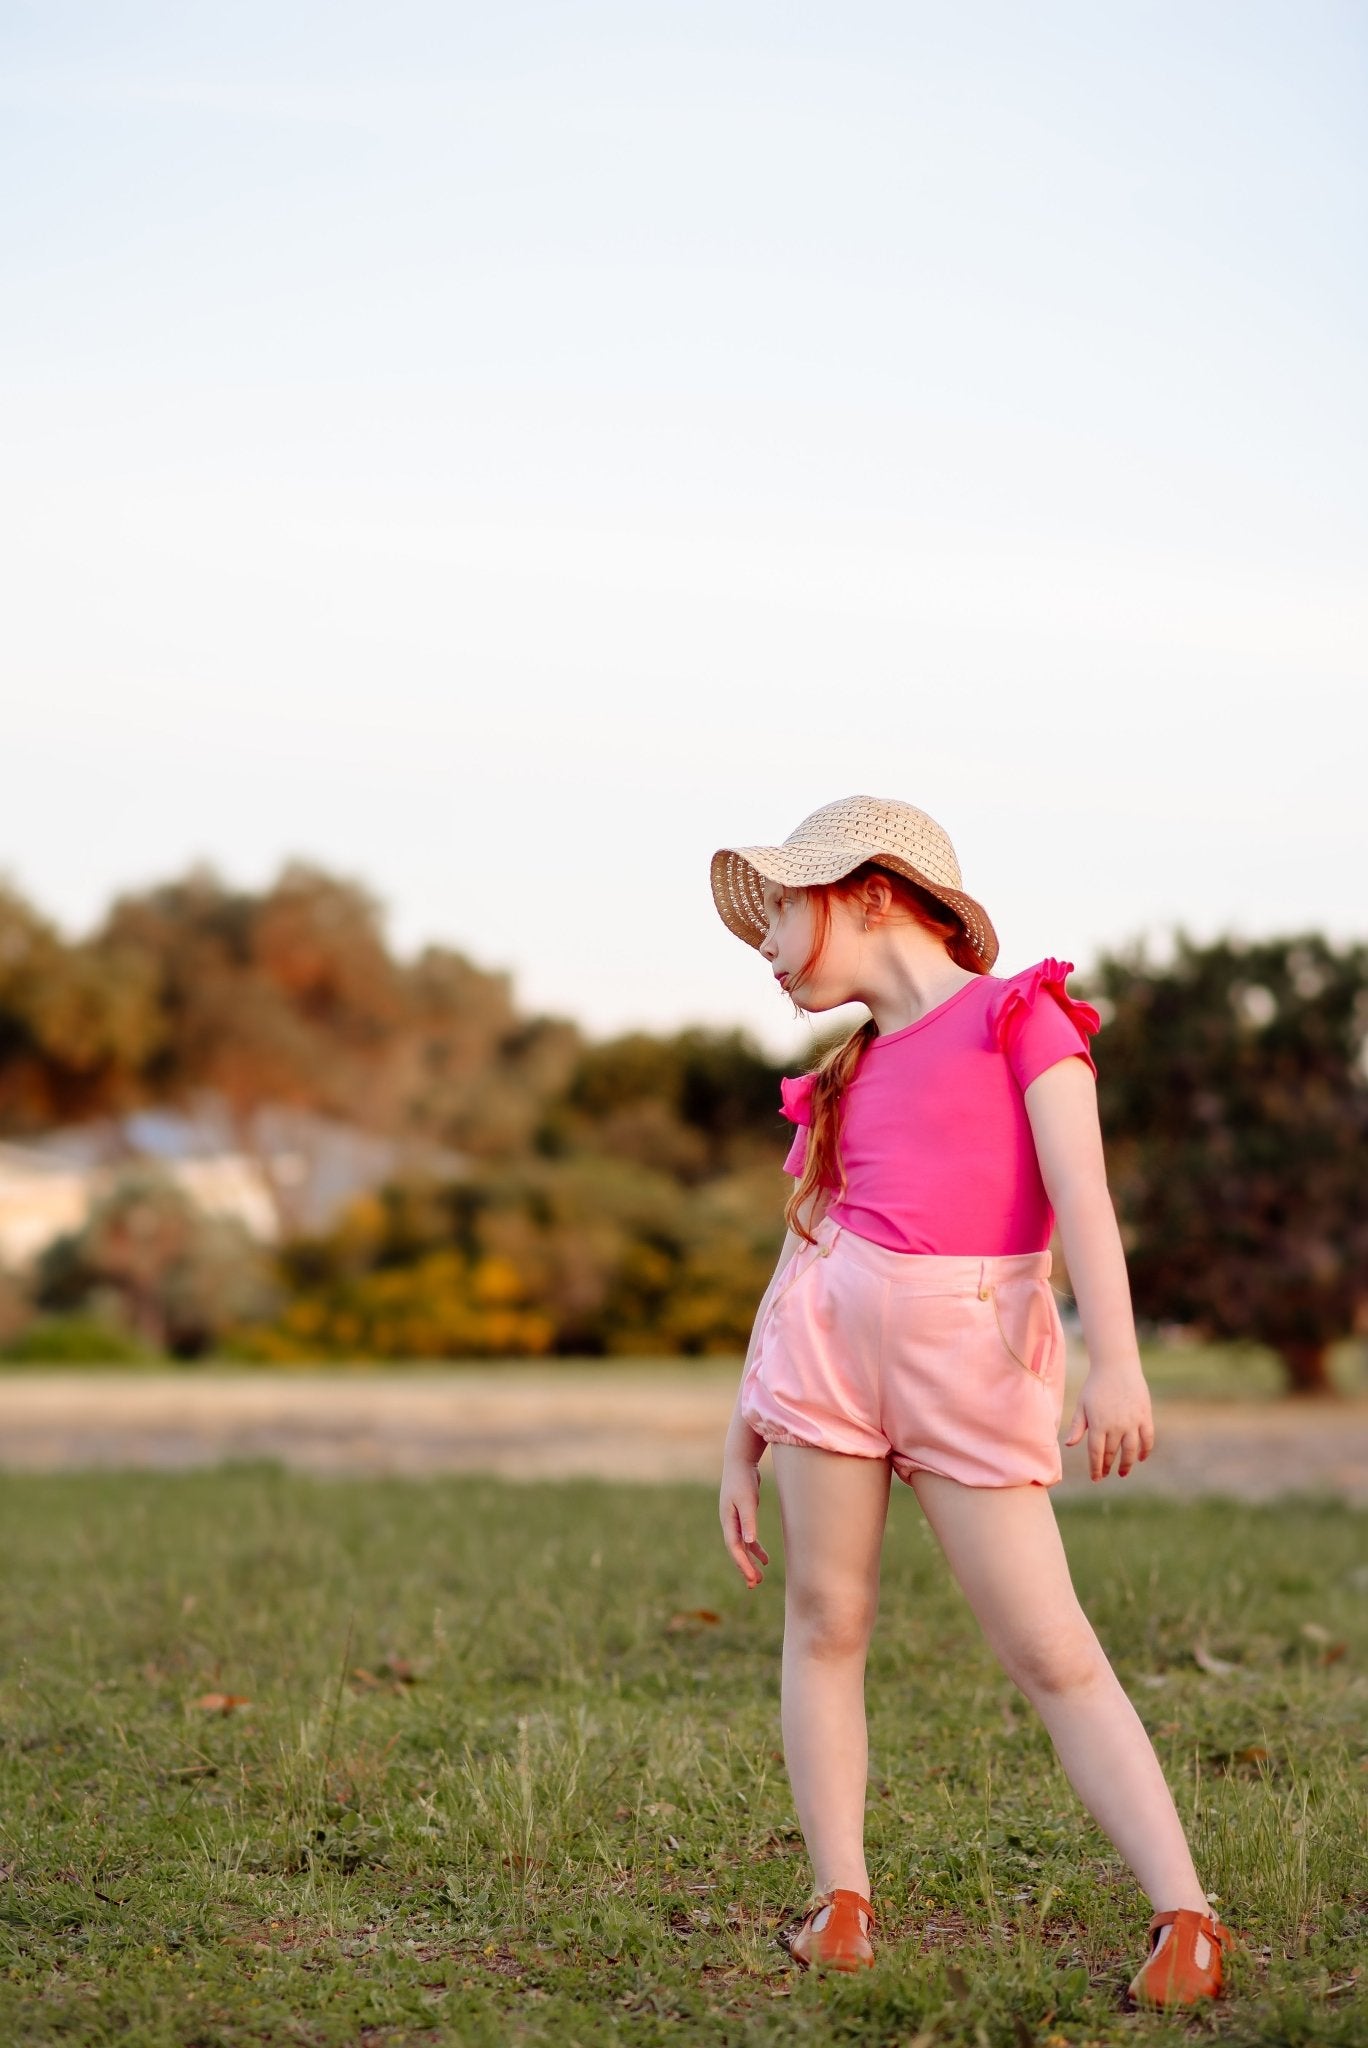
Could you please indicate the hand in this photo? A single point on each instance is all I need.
(738, 1504)
(1114, 1411)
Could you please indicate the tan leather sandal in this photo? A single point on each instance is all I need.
(841, 1943)
(1172, 1976)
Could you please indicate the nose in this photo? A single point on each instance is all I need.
(768, 949)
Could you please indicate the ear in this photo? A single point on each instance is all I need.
(876, 897)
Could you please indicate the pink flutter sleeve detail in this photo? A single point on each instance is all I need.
(1029, 1030)
(798, 1098)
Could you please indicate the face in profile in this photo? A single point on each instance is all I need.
(793, 934)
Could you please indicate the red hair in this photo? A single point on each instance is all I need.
(822, 1167)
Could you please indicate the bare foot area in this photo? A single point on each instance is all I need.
(558, 1422)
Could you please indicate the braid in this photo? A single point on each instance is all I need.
(822, 1167)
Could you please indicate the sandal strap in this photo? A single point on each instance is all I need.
(1201, 1923)
(843, 1897)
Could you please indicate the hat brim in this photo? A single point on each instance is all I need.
(739, 875)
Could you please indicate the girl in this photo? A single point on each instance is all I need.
(910, 1328)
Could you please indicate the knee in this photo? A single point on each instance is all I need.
(1057, 1661)
(830, 1621)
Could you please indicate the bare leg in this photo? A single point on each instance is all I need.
(833, 1511)
(1004, 1548)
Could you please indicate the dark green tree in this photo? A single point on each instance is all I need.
(696, 1103)
(1234, 1098)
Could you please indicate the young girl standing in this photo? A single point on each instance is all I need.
(910, 1328)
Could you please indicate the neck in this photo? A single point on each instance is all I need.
(909, 974)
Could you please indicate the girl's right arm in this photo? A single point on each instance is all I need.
(740, 1497)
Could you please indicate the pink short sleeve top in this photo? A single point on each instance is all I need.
(935, 1139)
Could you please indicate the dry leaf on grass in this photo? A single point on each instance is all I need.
(393, 1676)
(1330, 1650)
(1250, 1762)
(690, 1618)
(220, 1702)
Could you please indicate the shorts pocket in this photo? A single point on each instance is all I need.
(804, 1261)
(1028, 1325)
(790, 1276)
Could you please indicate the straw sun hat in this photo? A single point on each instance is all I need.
(832, 842)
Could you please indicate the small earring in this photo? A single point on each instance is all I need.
(866, 924)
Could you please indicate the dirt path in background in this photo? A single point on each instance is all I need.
(664, 1422)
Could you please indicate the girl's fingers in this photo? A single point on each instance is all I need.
(1123, 1445)
(1097, 1448)
(1102, 1445)
(743, 1544)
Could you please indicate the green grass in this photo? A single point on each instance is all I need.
(1242, 1372)
(568, 1821)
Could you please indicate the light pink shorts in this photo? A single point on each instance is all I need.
(949, 1365)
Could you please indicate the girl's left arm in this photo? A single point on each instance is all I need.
(1114, 1405)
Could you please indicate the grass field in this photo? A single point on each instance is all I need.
(510, 1774)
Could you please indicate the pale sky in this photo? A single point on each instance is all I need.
(503, 453)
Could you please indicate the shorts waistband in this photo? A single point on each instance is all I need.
(930, 1272)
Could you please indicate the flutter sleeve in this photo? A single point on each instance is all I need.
(1036, 1023)
(797, 1107)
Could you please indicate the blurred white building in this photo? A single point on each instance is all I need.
(281, 1172)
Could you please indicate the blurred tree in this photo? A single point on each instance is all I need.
(1234, 1097)
(712, 1102)
(77, 1022)
(728, 1089)
(180, 1277)
(439, 1306)
(16, 1309)
(288, 997)
(607, 1257)
(466, 1069)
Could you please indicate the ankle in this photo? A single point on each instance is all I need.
(1184, 1901)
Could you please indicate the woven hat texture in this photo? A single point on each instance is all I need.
(832, 842)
